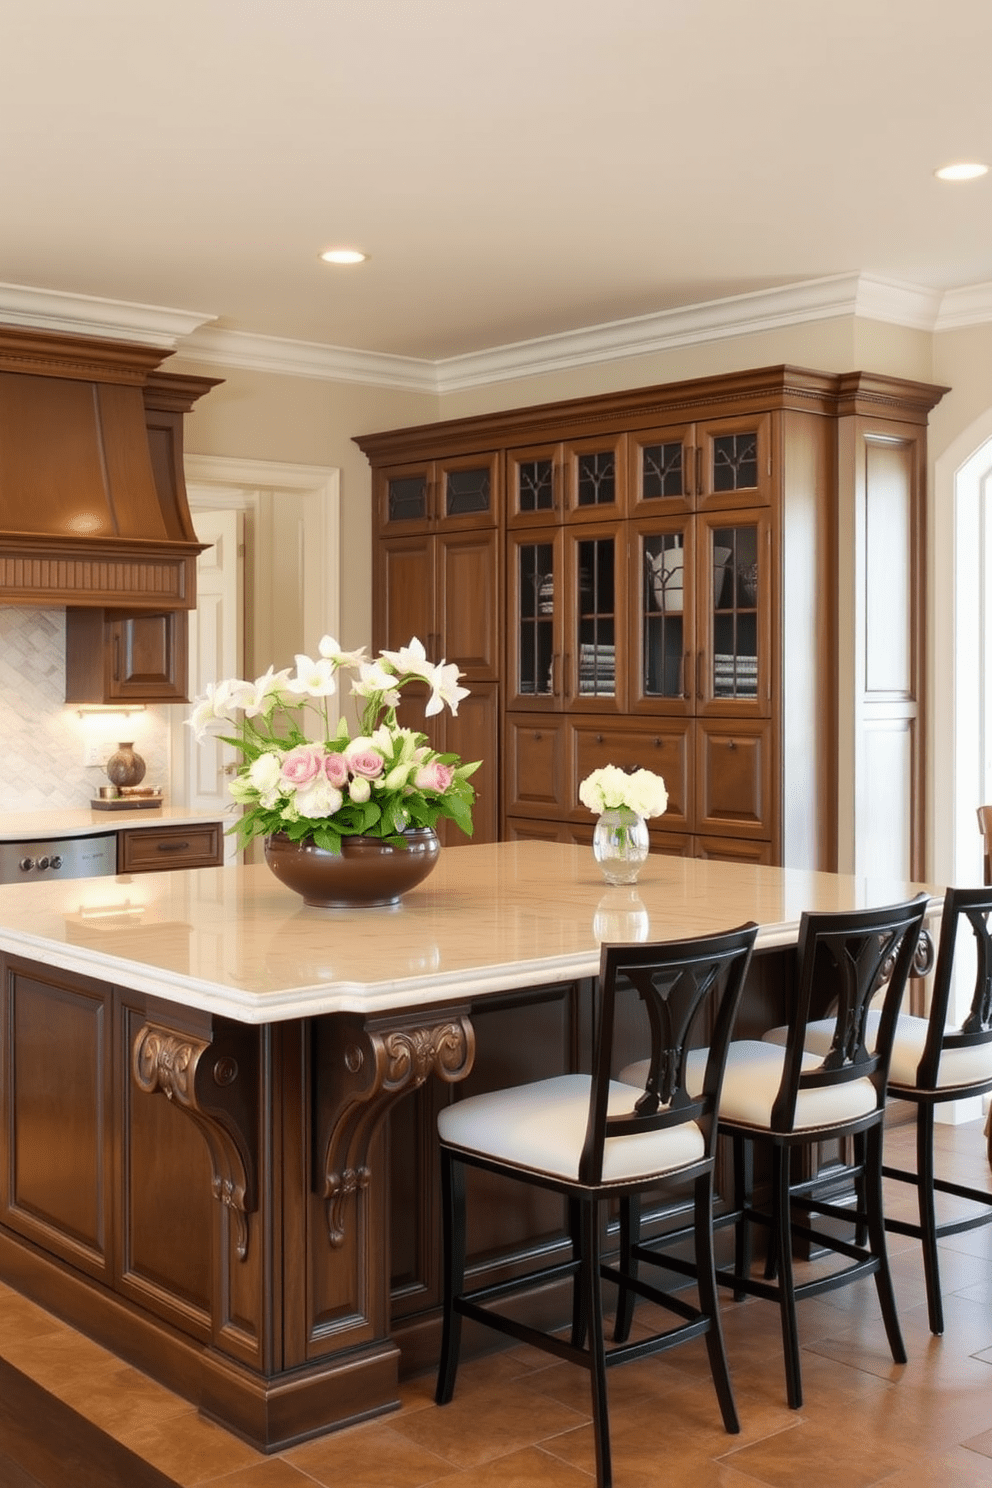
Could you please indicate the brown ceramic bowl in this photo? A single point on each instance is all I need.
(366, 872)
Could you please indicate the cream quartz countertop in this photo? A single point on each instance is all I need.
(236, 942)
(27, 826)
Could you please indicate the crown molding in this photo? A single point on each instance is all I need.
(965, 307)
(308, 359)
(190, 334)
(74, 314)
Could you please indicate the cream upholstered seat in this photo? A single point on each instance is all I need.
(933, 1063)
(591, 1138)
(787, 1096)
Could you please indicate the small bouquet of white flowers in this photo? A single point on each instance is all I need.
(378, 784)
(610, 788)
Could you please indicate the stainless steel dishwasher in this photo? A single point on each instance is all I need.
(93, 856)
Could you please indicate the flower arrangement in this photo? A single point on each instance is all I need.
(379, 783)
(612, 788)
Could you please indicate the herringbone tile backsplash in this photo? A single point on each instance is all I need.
(42, 738)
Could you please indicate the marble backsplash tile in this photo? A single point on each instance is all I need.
(43, 740)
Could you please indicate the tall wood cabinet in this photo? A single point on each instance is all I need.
(651, 579)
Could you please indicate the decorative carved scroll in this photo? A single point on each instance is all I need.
(215, 1083)
(373, 1063)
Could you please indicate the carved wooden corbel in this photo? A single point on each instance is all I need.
(215, 1082)
(371, 1064)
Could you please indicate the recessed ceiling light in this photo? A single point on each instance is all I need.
(343, 256)
(963, 171)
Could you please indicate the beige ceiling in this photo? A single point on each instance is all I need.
(515, 168)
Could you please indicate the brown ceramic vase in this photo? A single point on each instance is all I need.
(366, 872)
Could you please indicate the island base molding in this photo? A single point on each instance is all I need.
(269, 1415)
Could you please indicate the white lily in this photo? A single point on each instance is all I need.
(313, 678)
(331, 651)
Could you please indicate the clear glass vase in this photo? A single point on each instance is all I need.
(620, 844)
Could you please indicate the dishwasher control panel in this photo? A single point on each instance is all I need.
(94, 856)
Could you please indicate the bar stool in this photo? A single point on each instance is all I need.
(932, 1064)
(789, 1099)
(591, 1139)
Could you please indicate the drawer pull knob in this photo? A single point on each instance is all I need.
(537, 734)
(599, 738)
(171, 846)
(658, 744)
(731, 743)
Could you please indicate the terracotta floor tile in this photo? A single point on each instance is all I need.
(190, 1449)
(273, 1473)
(370, 1456)
(466, 1436)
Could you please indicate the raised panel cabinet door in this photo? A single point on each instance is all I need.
(149, 657)
(405, 599)
(469, 601)
(663, 746)
(473, 734)
(733, 462)
(58, 1185)
(661, 592)
(536, 765)
(734, 777)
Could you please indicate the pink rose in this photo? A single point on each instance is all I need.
(303, 764)
(434, 777)
(366, 762)
(336, 769)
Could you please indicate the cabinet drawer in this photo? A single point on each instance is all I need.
(734, 778)
(535, 766)
(152, 849)
(661, 746)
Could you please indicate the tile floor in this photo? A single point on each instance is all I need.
(519, 1419)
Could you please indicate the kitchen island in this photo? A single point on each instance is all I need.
(200, 1072)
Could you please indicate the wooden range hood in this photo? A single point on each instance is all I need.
(93, 506)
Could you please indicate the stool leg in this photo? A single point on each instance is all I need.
(709, 1303)
(630, 1234)
(782, 1239)
(876, 1239)
(579, 1319)
(928, 1217)
(453, 1246)
(591, 1264)
(743, 1196)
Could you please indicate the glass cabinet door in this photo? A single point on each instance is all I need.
(661, 586)
(663, 469)
(536, 607)
(534, 485)
(457, 493)
(595, 478)
(733, 460)
(594, 637)
(734, 606)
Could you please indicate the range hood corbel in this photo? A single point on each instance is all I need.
(93, 506)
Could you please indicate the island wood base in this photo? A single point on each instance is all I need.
(249, 1212)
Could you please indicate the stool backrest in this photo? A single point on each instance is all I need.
(691, 990)
(843, 960)
(985, 827)
(970, 907)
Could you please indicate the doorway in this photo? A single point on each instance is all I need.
(287, 551)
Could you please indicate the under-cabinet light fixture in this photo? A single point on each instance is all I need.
(109, 710)
(963, 170)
